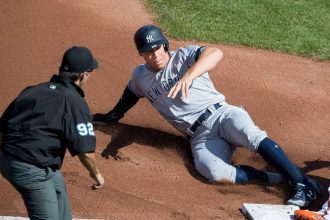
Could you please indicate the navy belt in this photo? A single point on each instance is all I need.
(207, 113)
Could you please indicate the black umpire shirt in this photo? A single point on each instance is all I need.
(46, 119)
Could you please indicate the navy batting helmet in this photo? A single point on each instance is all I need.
(148, 37)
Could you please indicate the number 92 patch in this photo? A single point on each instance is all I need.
(85, 129)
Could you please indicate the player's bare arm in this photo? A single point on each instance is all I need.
(206, 62)
(89, 162)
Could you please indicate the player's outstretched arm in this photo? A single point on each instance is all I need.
(206, 62)
(89, 162)
(126, 102)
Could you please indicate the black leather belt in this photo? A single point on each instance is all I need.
(207, 113)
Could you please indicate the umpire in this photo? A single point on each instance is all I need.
(37, 128)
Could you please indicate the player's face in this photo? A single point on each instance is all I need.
(157, 58)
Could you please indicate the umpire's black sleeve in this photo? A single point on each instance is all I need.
(78, 129)
(126, 102)
(1, 125)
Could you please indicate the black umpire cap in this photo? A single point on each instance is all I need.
(78, 60)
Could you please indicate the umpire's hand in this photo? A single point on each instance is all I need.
(88, 160)
(99, 181)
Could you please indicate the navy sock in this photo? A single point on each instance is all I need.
(272, 153)
(247, 174)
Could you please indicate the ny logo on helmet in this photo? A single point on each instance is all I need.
(149, 38)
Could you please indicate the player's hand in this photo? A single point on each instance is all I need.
(110, 117)
(99, 181)
(182, 85)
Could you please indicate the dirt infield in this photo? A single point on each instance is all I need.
(147, 165)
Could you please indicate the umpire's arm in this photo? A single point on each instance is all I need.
(89, 162)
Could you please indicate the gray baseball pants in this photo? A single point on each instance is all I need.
(42, 189)
(212, 143)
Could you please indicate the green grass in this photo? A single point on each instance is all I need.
(300, 27)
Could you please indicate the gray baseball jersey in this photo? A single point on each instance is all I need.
(181, 113)
(229, 125)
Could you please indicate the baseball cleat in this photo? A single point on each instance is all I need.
(303, 196)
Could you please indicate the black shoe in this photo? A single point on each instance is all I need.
(303, 196)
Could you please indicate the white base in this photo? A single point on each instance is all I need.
(269, 212)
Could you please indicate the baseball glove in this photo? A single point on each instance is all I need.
(308, 215)
(110, 117)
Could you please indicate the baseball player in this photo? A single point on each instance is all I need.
(177, 84)
(37, 128)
